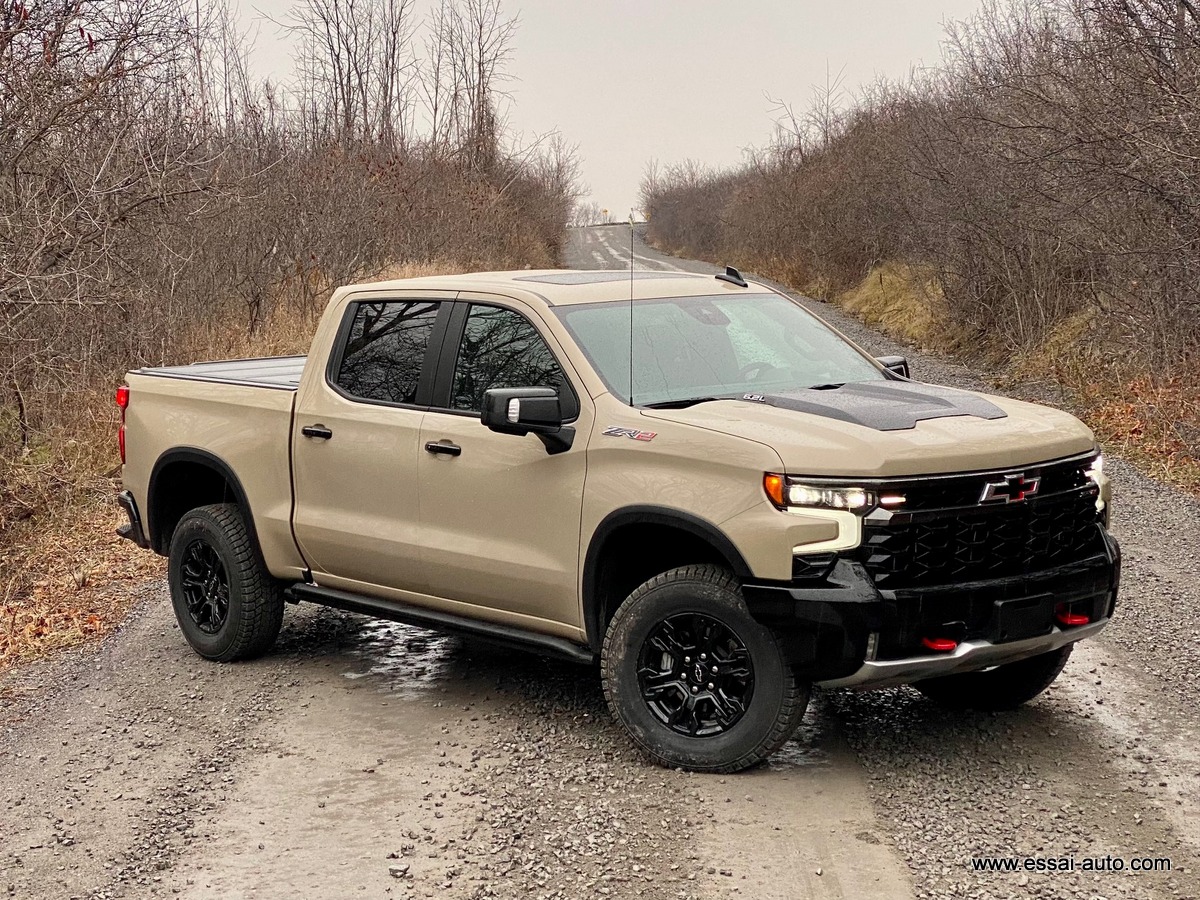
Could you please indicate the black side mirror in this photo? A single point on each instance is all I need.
(521, 411)
(897, 365)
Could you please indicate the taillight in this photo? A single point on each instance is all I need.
(123, 403)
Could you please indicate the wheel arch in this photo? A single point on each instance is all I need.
(680, 538)
(182, 479)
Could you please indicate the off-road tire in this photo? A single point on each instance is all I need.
(255, 599)
(776, 704)
(1004, 687)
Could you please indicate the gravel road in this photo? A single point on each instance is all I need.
(369, 759)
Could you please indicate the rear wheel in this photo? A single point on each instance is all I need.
(696, 682)
(226, 602)
(1004, 687)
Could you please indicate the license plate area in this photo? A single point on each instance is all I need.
(1021, 618)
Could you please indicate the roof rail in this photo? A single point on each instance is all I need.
(733, 276)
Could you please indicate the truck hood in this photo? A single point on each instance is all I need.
(885, 429)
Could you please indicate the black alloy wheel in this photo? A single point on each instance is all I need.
(226, 602)
(694, 679)
(205, 585)
(696, 675)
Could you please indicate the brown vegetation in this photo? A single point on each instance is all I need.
(1047, 178)
(158, 206)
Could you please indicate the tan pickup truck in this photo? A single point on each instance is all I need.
(690, 480)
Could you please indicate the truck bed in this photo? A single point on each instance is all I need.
(282, 373)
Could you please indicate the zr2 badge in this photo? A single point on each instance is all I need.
(631, 433)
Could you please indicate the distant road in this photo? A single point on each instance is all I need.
(607, 247)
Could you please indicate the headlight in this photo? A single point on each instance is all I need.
(784, 492)
(1095, 474)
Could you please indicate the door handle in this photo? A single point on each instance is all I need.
(446, 449)
(316, 431)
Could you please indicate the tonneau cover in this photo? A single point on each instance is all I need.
(278, 372)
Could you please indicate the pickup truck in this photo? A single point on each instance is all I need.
(690, 480)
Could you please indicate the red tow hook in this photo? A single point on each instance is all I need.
(941, 645)
(1064, 616)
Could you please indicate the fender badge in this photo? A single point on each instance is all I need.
(631, 433)
(757, 398)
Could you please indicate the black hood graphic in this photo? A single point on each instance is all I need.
(885, 405)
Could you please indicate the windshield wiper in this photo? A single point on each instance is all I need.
(683, 404)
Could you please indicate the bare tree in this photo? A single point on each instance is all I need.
(157, 203)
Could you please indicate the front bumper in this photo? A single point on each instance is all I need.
(969, 656)
(132, 530)
(839, 630)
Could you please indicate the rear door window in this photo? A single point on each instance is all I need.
(385, 350)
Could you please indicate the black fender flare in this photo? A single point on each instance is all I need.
(198, 457)
(646, 515)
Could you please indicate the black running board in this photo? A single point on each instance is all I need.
(442, 621)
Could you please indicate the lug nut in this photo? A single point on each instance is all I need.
(704, 656)
(695, 690)
(710, 685)
(714, 670)
(687, 659)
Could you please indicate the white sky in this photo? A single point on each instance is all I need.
(631, 81)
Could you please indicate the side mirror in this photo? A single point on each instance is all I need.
(897, 365)
(521, 411)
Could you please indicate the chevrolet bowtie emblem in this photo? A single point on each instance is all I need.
(1012, 489)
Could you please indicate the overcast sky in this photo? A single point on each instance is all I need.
(633, 80)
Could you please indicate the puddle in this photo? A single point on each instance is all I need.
(404, 658)
(809, 747)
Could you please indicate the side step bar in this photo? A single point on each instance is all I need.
(506, 635)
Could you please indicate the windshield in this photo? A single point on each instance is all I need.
(694, 348)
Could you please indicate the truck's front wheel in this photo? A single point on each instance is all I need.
(696, 682)
(226, 602)
(1004, 687)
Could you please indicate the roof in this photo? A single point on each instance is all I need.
(563, 287)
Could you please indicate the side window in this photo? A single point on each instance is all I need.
(501, 348)
(385, 350)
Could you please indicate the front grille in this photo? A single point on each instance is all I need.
(922, 545)
(958, 491)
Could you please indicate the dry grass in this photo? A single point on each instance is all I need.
(902, 301)
(65, 576)
(69, 579)
(1152, 421)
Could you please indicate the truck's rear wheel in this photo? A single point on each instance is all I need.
(1004, 687)
(696, 682)
(226, 602)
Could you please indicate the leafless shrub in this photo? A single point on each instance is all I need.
(1049, 166)
(152, 192)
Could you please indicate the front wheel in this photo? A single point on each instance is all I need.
(695, 681)
(226, 602)
(1004, 687)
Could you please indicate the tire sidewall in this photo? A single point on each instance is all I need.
(632, 626)
(198, 525)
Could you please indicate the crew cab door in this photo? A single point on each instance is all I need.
(500, 515)
(356, 443)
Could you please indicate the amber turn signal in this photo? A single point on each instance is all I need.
(773, 485)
